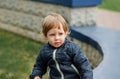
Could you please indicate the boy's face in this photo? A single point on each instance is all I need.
(56, 36)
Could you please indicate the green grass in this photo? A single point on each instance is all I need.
(17, 55)
(110, 5)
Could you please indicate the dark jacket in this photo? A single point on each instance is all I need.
(65, 62)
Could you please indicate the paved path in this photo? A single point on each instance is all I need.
(107, 42)
(108, 18)
(98, 37)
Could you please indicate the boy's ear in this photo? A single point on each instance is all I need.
(66, 33)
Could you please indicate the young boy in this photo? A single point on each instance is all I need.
(63, 57)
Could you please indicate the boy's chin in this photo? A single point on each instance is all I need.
(56, 46)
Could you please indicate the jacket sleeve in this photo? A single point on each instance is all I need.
(40, 66)
(82, 64)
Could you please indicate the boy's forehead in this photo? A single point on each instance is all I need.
(58, 25)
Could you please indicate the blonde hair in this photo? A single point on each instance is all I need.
(53, 20)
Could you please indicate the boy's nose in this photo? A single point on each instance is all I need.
(56, 37)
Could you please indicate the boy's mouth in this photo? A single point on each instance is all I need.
(57, 43)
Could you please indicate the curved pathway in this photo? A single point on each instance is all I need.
(108, 39)
(108, 18)
(109, 42)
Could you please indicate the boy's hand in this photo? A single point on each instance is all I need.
(37, 77)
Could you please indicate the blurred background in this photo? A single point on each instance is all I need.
(19, 47)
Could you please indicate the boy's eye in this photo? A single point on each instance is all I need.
(60, 33)
(52, 34)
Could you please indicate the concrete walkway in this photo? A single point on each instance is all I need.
(107, 42)
(108, 18)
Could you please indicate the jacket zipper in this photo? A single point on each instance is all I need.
(75, 69)
(57, 64)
